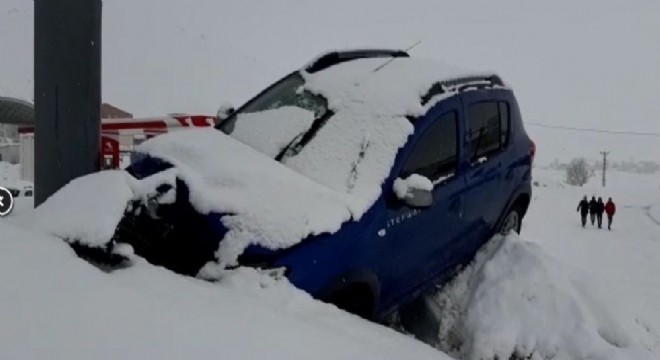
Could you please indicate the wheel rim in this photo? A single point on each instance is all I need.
(511, 223)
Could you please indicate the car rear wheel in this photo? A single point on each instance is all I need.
(512, 221)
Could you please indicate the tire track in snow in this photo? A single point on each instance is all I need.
(647, 211)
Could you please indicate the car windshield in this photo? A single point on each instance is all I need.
(288, 92)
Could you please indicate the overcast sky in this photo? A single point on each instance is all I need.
(583, 64)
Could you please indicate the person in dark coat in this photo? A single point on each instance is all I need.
(592, 209)
(583, 209)
(610, 209)
(600, 209)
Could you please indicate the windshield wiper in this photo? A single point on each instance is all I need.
(294, 147)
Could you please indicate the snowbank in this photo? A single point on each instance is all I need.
(516, 300)
(87, 209)
(55, 306)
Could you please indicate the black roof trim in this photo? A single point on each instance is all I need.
(16, 111)
(336, 57)
(461, 84)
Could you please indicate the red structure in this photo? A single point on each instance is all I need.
(119, 136)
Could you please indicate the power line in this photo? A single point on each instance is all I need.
(604, 131)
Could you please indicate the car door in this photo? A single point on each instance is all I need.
(487, 130)
(417, 238)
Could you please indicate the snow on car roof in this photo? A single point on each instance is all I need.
(372, 97)
(382, 85)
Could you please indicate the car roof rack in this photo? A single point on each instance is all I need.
(332, 58)
(462, 84)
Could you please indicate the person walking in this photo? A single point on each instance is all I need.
(583, 209)
(600, 209)
(592, 209)
(610, 210)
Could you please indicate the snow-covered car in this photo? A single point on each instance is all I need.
(365, 177)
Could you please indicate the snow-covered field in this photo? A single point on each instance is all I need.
(557, 291)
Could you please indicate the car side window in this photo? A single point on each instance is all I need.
(435, 155)
(488, 128)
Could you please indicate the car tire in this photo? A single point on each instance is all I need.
(355, 299)
(512, 221)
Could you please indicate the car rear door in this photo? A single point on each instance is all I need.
(487, 137)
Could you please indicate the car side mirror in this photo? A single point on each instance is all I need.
(419, 198)
(225, 111)
(414, 191)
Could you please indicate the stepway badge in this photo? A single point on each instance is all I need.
(6, 201)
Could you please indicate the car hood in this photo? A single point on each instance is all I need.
(267, 203)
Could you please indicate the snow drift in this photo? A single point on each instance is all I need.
(55, 306)
(516, 301)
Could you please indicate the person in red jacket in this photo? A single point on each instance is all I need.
(610, 209)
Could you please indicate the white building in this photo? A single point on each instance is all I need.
(13, 112)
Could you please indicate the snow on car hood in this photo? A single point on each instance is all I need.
(268, 204)
(265, 202)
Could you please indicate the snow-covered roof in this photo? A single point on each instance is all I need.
(385, 85)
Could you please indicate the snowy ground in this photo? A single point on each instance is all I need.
(624, 261)
(55, 306)
(558, 290)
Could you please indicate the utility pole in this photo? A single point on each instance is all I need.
(604, 153)
(67, 92)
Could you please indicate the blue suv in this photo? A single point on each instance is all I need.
(462, 175)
